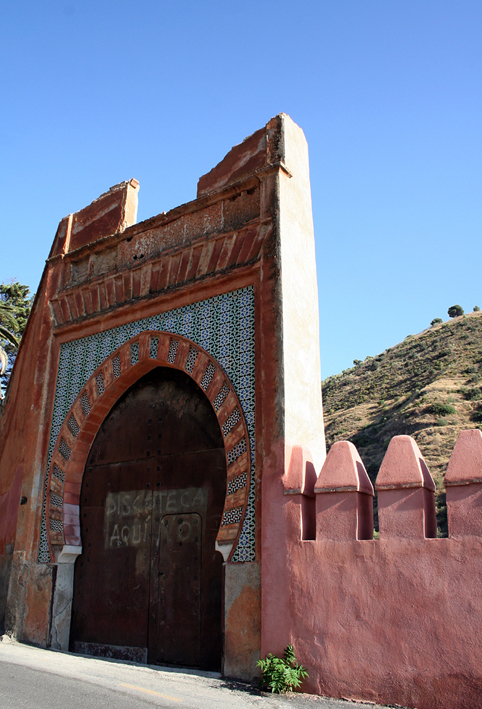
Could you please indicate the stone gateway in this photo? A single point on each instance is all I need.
(148, 408)
(164, 493)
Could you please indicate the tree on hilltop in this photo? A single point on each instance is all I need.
(455, 311)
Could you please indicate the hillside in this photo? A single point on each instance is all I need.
(428, 387)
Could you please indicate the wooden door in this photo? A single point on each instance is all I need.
(148, 583)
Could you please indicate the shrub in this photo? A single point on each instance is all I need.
(436, 321)
(281, 674)
(455, 311)
(440, 409)
(473, 394)
(476, 308)
(360, 440)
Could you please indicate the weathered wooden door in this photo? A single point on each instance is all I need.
(148, 584)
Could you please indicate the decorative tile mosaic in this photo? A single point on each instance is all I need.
(56, 525)
(223, 325)
(238, 450)
(99, 383)
(232, 516)
(116, 366)
(55, 500)
(59, 473)
(171, 356)
(153, 347)
(221, 397)
(85, 403)
(134, 353)
(74, 427)
(208, 376)
(231, 422)
(64, 449)
(191, 359)
(237, 483)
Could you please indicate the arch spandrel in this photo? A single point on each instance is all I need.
(110, 380)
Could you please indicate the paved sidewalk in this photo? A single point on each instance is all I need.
(32, 678)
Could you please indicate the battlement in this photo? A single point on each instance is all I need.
(396, 619)
(406, 492)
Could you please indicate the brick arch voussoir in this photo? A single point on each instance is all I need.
(106, 385)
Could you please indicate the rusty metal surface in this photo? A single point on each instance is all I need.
(151, 504)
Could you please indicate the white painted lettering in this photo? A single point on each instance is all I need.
(115, 536)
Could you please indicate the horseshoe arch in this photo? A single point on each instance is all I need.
(109, 381)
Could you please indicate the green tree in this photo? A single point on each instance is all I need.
(476, 308)
(455, 310)
(436, 321)
(15, 306)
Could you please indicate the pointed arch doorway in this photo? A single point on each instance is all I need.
(148, 585)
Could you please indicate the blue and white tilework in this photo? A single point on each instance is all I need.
(223, 325)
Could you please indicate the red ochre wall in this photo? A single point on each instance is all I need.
(394, 620)
(23, 446)
(250, 226)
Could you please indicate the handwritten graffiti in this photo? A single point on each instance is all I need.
(132, 519)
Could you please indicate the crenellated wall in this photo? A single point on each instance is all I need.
(396, 619)
(224, 289)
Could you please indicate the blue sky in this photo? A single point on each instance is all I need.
(388, 93)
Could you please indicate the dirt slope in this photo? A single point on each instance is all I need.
(428, 386)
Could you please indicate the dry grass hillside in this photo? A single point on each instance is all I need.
(428, 387)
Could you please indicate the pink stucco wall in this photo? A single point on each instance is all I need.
(393, 620)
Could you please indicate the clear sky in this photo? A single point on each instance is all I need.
(388, 93)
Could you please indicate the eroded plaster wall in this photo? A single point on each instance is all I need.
(106, 275)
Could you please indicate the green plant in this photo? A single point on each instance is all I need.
(442, 422)
(440, 409)
(281, 674)
(476, 308)
(436, 321)
(455, 311)
(15, 305)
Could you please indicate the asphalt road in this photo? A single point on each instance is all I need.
(31, 678)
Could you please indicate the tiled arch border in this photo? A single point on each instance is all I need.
(109, 381)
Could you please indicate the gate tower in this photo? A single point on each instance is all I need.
(163, 422)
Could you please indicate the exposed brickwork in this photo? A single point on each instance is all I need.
(162, 274)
